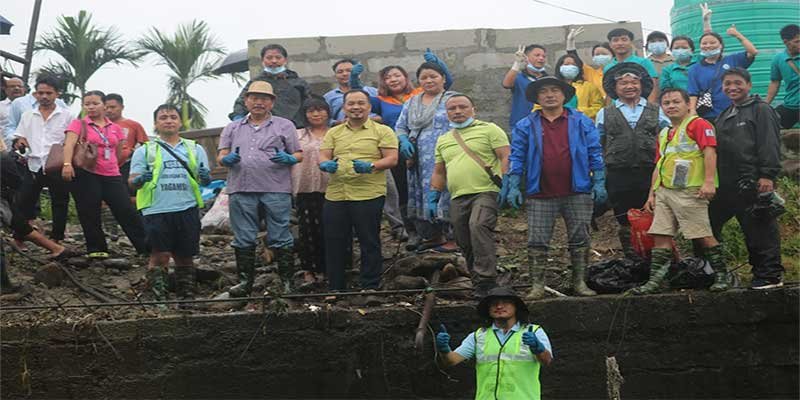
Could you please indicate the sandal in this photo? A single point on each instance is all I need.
(98, 255)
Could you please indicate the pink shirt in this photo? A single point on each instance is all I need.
(106, 149)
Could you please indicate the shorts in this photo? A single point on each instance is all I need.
(680, 209)
(174, 232)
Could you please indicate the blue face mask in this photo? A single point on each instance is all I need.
(601, 59)
(682, 55)
(275, 70)
(710, 53)
(462, 125)
(569, 71)
(657, 48)
(535, 69)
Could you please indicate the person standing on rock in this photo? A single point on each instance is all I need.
(333, 97)
(167, 174)
(684, 181)
(469, 159)
(628, 128)
(749, 151)
(356, 154)
(558, 149)
(621, 42)
(786, 67)
(259, 151)
(509, 351)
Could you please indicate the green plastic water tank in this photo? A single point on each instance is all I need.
(759, 20)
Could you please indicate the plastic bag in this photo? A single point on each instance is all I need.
(690, 273)
(217, 217)
(616, 276)
(640, 223)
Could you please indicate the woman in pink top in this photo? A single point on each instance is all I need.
(104, 184)
(309, 184)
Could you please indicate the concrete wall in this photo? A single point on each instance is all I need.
(478, 58)
(687, 345)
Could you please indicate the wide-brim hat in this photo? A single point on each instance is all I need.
(610, 78)
(502, 292)
(532, 91)
(260, 87)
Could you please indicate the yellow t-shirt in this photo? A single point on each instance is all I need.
(363, 144)
(595, 76)
(464, 175)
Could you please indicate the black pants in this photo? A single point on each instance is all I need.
(627, 188)
(89, 191)
(761, 235)
(789, 117)
(310, 245)
(28, 198)
(339, 219)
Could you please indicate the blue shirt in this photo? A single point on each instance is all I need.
(781, 71)
(173, 192)
(704, 76)
(520, 106)
(645, 63)
(335, 99)
(631, 114)
(467, 347)
(17, 108)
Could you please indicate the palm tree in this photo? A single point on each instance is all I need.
(191, 55)
(85, 48)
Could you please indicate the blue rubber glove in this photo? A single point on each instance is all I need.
(514, 196)
(529, 339)
(599, 193)
(355, 80)
(231, 159)
(502, 196)
(204, 174)
(282, 157)
(329, 166)
(140, 180)
(406, 147)
(433, 203)
(432, 58)
(443, 340)
(363, 167)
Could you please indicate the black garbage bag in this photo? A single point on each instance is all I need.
(616, 276)
(690, 273)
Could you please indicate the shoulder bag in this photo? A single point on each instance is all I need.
(498, 181)
(84, 155)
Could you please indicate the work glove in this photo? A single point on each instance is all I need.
(204, 174)
(329, 166)
(599, 194)
(573, 33)
(363, 167)
(433, 203)
(282, 157)
(443, 340)
(355, 80)
(513, 195)
(406, 147)
(140, 180)
(231, 159)
(520, 59)
(529, 339)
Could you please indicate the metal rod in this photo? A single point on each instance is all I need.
(26, 69)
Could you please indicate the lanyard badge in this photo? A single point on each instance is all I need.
(106, 143)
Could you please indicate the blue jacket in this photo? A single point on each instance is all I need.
(584, 148)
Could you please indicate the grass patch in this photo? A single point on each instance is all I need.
(46, 213)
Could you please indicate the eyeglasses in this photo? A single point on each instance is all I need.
(627, 75)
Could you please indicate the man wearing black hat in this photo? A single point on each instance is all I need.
(559, 150)
(628, 129)
(504, 368)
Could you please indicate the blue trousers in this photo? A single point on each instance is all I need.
(243, 209)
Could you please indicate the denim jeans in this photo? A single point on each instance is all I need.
(243, 209)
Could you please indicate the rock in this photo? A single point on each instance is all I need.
(791, 168)
(50, 274)
(408, 282)
(207, 275)
(222, 239)
(448, 272)
(229, 266)
(117, 263)
(461, 282)
(79, 262)
(225, 305)
(264, 281)
(791, 139)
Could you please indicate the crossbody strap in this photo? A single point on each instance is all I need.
(794, 66)
(180, 160)
(495, 179)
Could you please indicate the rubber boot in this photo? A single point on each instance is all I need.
(714, 257)
(580, 259)
(157, 282)
(184, 282)
(246, 268)
(659, 265)
(536, 270)
(286, 268)
(624, 234)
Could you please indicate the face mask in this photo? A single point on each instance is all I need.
(601, 59)
(568, 71)
(682, 55)
(535, 69)
(276, 70)
(462, 125)
(657, 48)
(710, 53)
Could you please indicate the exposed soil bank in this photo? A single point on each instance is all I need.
(740, 344)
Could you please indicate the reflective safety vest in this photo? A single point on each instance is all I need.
(681, 163)
(152, 156)
(506, 372)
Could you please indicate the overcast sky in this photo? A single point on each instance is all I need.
(144, 87)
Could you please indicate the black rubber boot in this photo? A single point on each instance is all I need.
(284, 257)
(246, 267)
(157, 283)
(184, 282)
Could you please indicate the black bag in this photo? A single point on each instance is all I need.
(690, 273)
(617, 276)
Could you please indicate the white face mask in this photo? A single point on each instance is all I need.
(569, 71)
(601, 59)
(682, 55)
(535, 68)
(461, 125)
(275, 70)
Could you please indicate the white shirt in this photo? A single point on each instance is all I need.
(41, 134)
(5, 105)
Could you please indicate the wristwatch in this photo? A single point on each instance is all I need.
(66, 164)
(372, 166)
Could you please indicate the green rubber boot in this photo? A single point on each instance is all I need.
(714, 257)
(184, 282)
(246, 268)
(536, 270)
(659, 265)
(157, 283)
(285, 259)
(580, 259)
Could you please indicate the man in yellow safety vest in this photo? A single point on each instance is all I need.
(508, 353)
